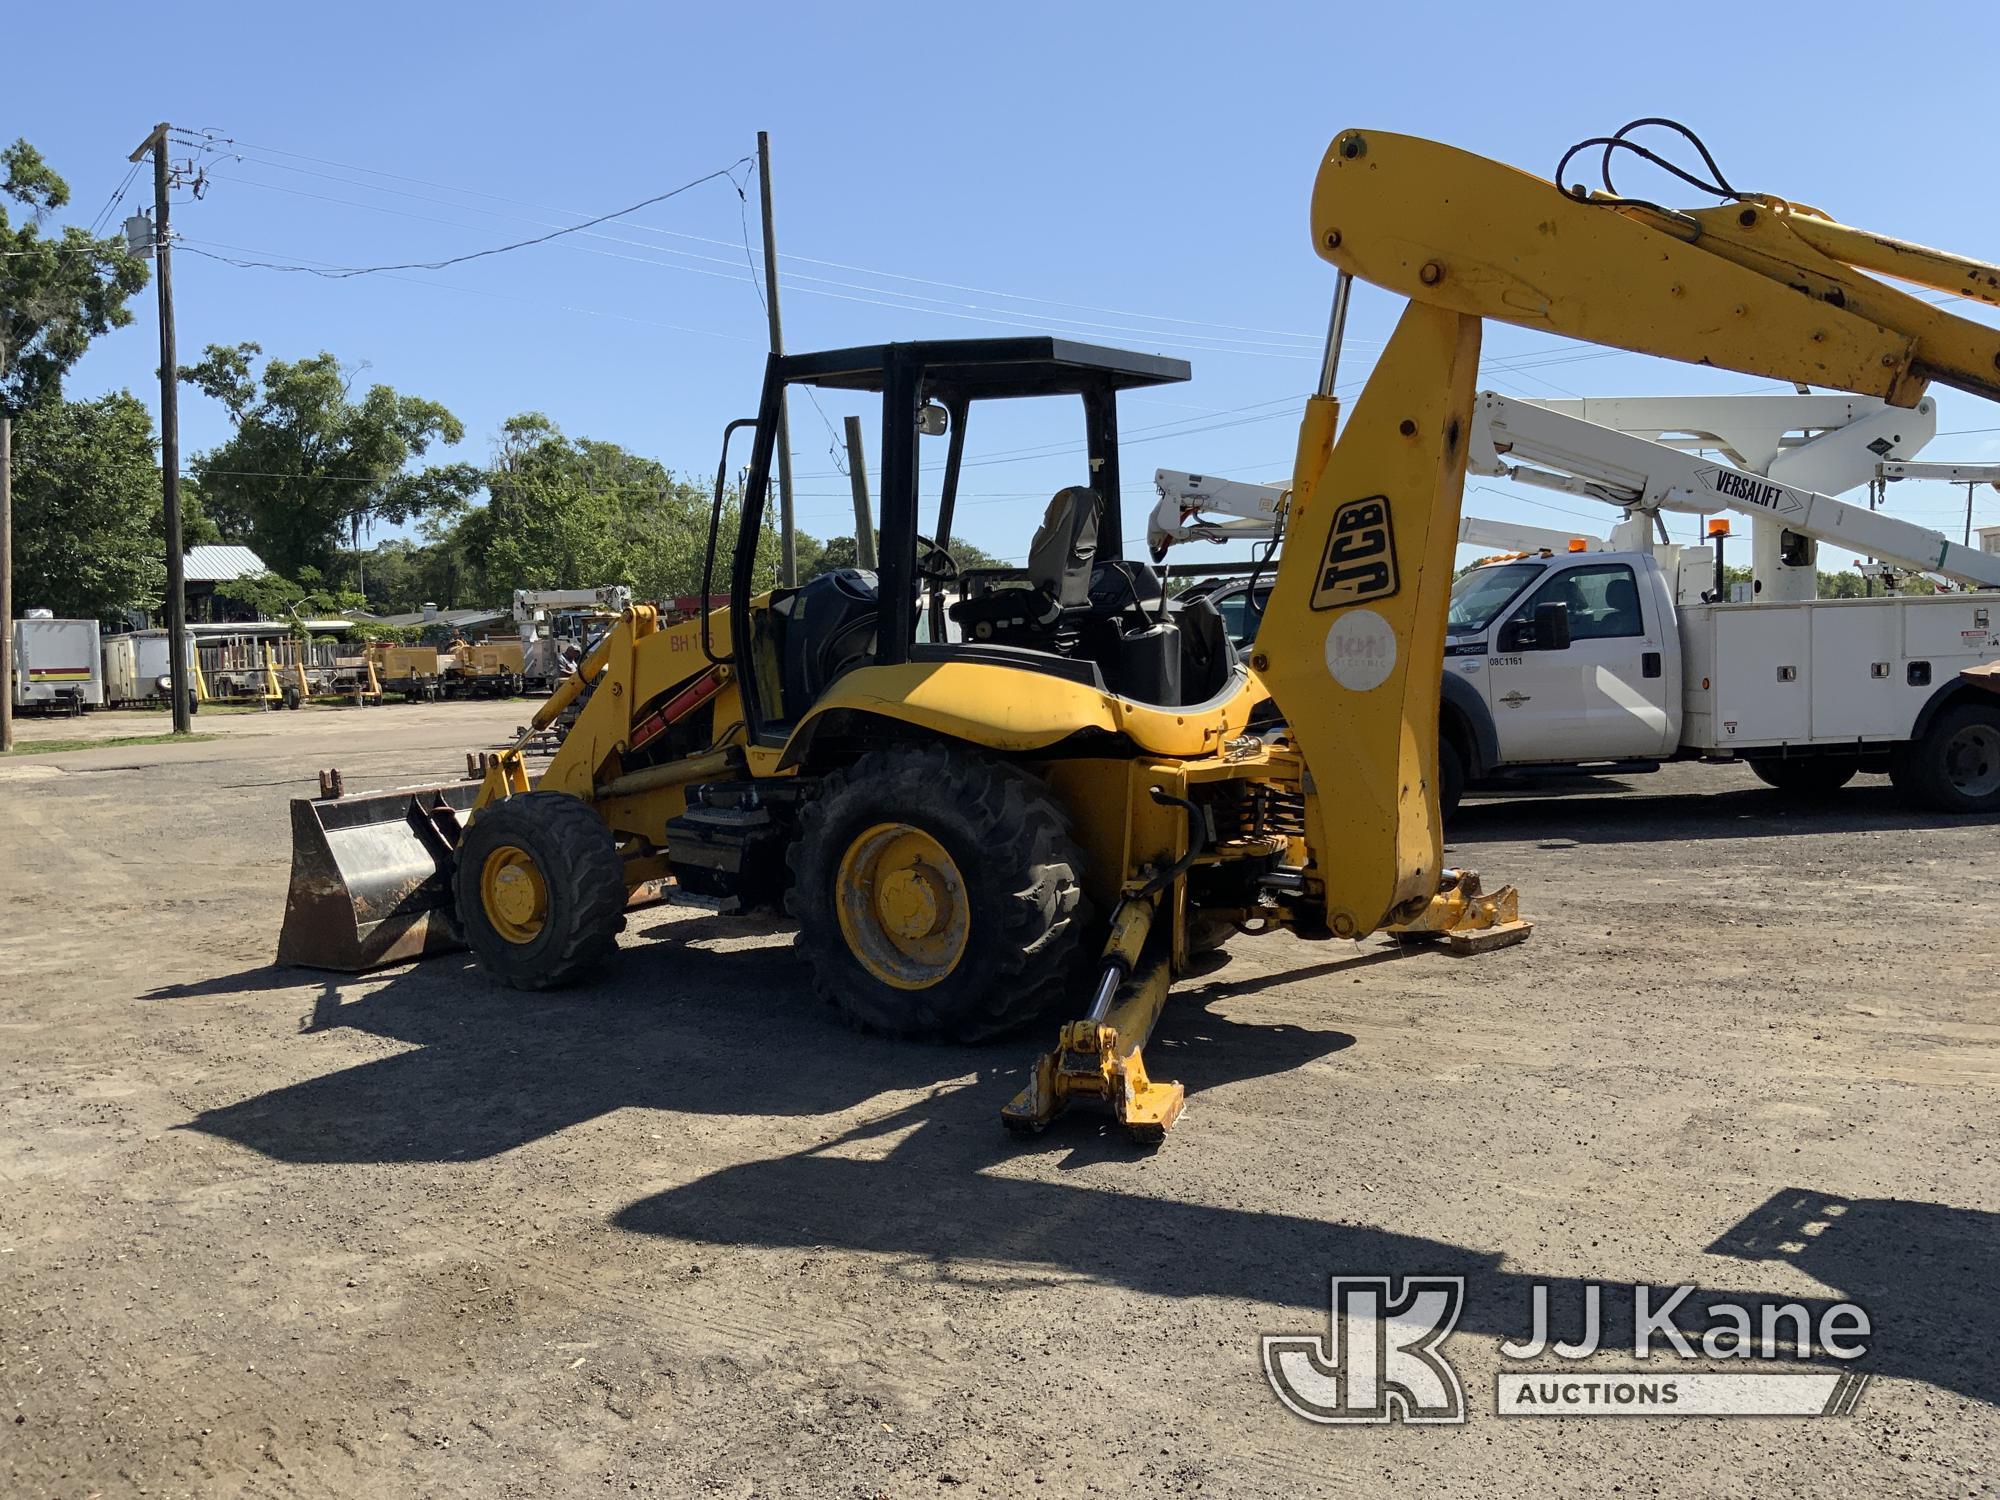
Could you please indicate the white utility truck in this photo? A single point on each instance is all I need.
(1560, 657)
(550, 619)
(57, 668)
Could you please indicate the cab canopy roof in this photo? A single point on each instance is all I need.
(979, 369)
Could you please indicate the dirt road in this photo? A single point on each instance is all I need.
(264, 1232)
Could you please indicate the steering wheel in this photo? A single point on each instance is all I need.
(934, 563)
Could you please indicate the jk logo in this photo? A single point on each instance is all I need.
(1379, 1361)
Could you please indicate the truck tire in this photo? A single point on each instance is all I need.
(1955, 767)
(1451, 778)
(938, 894)
(539, 890)
(1810, 778)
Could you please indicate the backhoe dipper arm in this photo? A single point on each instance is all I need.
(1352, 643)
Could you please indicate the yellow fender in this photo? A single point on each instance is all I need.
(1013, 712)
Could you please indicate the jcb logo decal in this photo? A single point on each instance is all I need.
(1360, 560)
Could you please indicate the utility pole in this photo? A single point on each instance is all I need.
(864, 519)
(788, 540)
(170, 428)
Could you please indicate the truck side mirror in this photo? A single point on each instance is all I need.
(1546, 630)
(1551, 628)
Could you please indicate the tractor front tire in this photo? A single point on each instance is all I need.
(938, 895)
(540, 890)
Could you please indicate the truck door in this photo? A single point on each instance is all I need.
(1601, 697)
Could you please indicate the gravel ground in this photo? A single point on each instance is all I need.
(265, 1232)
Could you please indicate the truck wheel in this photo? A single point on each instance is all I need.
(1808, 778)
(540, 890)
(1451, 778)
(938, 894)
(1955, 767)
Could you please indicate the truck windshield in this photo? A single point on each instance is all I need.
(1481, 594)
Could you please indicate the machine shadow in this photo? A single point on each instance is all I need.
(1602, 816)
(705, 1030)
(1922, 1271)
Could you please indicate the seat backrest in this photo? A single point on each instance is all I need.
(1065, 546)
(1621, 608)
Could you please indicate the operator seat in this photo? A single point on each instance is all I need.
(1060, 560)
(1065, 546)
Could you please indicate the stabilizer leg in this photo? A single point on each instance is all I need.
(1099, 1057)
(1465, 918)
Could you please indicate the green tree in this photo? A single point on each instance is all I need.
(87, 538)
(576, 513)
(57, 293)
(311, 466)
(838, 552)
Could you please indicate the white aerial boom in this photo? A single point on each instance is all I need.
(1189, 502)
(1648, 454)
(531, 606)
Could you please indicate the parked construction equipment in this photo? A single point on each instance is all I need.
(558, 626)
(492, 668)
(1067, 803)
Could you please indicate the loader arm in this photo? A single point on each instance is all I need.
(1352, 642)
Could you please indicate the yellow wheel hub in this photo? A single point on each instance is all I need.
(513, 894)
(903, 906)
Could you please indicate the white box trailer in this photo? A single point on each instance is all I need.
(138, 668)
(57, 665)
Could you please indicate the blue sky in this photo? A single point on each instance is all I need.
(1137, 175)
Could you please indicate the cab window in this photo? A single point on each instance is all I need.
(1238, 618)
(1603, 601)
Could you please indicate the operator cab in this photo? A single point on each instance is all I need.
(1072, 606)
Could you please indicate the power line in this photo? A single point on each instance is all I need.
(211, 141)
(193, 247)
(342, 273)
(1000, 317)
(117, 197)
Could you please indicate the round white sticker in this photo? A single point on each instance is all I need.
(1360, 650)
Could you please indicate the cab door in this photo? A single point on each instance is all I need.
(1603, 695)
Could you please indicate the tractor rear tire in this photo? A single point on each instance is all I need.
(539, 890)
(939, 895)
(1811, 778)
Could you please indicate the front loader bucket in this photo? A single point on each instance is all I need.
(371, 878)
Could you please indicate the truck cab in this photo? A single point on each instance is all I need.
(1561, 658)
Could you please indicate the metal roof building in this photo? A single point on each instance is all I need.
(218, 564)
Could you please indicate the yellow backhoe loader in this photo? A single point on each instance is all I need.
(989, 796)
